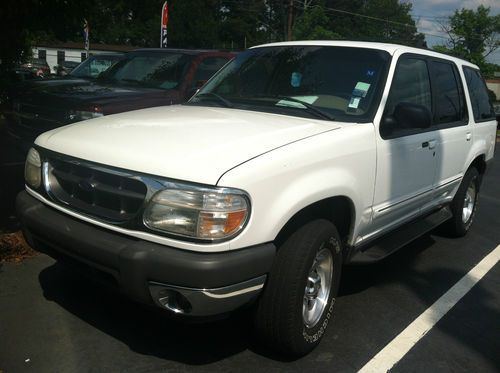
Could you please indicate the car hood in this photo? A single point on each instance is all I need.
(70, 93)
(189, 143)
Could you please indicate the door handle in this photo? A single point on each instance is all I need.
(431, 144)
(468, 136)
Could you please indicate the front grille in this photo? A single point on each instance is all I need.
(39, 118)
(105, 194)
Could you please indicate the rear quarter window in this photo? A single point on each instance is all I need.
(480, 101)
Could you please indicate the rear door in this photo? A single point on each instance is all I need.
(453, 129)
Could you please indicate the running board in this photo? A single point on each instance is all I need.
(389, 243)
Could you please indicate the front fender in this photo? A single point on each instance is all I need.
(283, 182)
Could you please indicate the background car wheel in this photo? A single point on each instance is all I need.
(297, 303)
(464, 204)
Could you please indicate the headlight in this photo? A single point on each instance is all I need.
(201, 213)
(33, 169)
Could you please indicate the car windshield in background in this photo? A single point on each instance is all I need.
(323, 82)
(157, 70)
(93, 66)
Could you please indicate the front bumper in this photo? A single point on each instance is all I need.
(210, 283)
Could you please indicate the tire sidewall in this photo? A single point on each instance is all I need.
(310, 337)
(463, 227)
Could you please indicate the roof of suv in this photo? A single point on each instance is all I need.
(389, 48)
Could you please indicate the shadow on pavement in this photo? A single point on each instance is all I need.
(11, 181)
(144, 329)
(357, 278)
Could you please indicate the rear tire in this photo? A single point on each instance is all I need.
(464, 204)
(297, 302)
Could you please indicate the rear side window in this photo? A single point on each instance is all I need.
(449, 97)
(481, 105)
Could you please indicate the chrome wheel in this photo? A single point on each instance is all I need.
(317, 291)
(469, 201)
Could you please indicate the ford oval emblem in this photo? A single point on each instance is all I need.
(86, 185)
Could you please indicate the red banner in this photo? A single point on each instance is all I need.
(164, 23)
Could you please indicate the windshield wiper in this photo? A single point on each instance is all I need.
(225, 101)
(310, 108)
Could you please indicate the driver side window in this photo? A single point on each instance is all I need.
(409, 105)
(411, 84)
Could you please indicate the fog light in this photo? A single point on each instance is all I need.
(174, 301)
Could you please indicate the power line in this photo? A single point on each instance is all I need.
(371, 18)
(358, 15)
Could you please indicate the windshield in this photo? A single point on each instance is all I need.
(158, 70)
(93, 66)
(324, 82)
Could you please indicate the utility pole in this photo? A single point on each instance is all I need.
(290, 20)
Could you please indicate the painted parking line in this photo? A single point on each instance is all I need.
(401, 344)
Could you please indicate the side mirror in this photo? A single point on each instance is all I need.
(409, 115)
(406, 116)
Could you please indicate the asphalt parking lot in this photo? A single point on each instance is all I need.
(52, 320)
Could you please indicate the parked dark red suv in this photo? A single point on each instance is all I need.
(144, 78)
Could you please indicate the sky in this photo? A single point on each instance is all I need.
(428, 14)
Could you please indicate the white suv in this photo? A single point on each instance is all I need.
(294, 159)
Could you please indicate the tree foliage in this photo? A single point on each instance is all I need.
(473, 35)
(314, 24)
(231, 24)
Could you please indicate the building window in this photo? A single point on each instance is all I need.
(42, 54)
(60, 57)
(84, 56)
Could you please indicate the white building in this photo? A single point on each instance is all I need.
(56, 53)
(494, 85)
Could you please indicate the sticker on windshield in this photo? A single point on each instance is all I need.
(296, 79)
(289, 103)
(354, 103)
(308, 99)
(361, 89)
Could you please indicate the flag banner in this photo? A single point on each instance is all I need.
(86, 36)
(164, 23)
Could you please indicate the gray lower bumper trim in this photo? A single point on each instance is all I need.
(205, 302)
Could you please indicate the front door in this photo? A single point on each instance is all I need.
(406, 157)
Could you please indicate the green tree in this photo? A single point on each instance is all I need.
(243, 23)
(472, 35)
(374, 20)
(313, 24)
(15, 37)
(399, 26)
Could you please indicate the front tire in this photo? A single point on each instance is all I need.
(297, 303)
(464, 204)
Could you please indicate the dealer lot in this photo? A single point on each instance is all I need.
(53, 320)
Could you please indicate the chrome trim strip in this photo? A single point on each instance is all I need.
(183, 245)
(449, 182)
(206, 302)
(405, 200)
(234, 293)
(420, 194)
